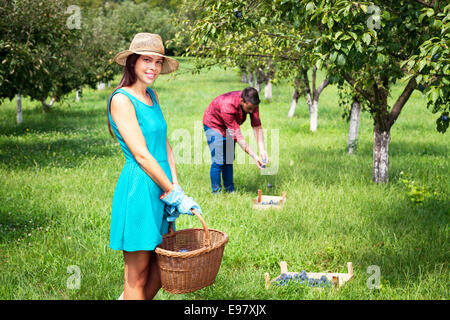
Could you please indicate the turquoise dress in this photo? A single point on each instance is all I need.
(137, 215)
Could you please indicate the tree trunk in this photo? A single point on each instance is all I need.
(257, 85)
(313, 95)
(264, 73)
(384, 120)
(101, 85)
(250, 79)
(381, 155)
(313, 111)
(352, 143)
(243, 75)
(46, 106)
(295, 96)
(78, 95)
(382, 130)
(19, 108)
(260, 77)
(268, 91)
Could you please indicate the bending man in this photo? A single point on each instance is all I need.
(221, 122)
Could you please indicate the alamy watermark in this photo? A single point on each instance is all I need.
(374, 21)
(74, 20)
(194, 149)
(74, 280)
(374, 281)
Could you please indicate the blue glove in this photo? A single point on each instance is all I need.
(174, 197)
(187, 203)
(178, 203)
(171, 213)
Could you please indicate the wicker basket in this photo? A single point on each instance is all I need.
(197, 264)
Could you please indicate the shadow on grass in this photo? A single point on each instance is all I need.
(63, 137)
(19, 221)
(417, 148)
(65, 120)
(64, 153)
(319, 167)
(407, 241)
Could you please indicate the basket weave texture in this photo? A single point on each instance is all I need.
(183, 272)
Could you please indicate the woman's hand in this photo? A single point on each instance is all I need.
(177, 202)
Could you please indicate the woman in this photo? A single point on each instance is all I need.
(138, 216)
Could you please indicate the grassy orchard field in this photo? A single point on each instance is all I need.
(58, 173)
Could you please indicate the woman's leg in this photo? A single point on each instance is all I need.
(154, 278)
(136, 274)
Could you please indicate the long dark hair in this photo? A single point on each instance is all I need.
(128, 78)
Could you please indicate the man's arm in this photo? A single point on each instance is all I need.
(234, 130)
(259, 135)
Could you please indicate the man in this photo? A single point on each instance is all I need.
(221, 121)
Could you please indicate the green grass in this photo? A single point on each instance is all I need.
(58, 173)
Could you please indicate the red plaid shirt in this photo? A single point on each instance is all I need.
(224, 112)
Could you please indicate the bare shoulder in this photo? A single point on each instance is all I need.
(120, 103)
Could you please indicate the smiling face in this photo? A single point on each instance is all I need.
(148, 68)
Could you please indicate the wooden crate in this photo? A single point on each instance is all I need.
(338, 279)
(262, 202)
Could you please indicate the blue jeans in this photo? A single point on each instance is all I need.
(222, 157)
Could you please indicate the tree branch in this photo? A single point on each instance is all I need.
(363, 92)
(46, 106)
(426, 4)
(401, 101)
(314, 72)
(304, 73)
(323, 86)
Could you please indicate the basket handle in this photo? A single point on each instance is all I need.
(205, 228)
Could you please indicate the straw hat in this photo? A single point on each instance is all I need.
(148, 44)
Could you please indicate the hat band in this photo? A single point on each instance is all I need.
(146, 50)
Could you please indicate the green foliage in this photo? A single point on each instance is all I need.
(129, 18)
(91, 3)
(410, 41)
(167, 4)
(346, 96)
(416, 193)
(432, 62)
(48, 50)
(370, 44)
(33, 40)
(45, 51)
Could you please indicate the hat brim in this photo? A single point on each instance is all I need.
(170, 64)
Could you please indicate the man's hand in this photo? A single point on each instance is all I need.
(259, 162)
(264, 157)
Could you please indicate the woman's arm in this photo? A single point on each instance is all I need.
(124, 116)
(171, 160)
